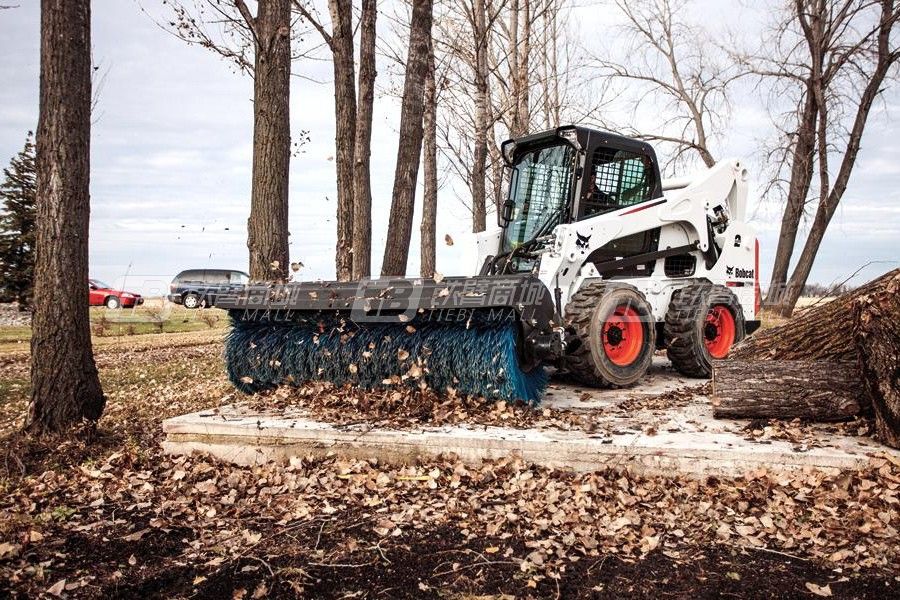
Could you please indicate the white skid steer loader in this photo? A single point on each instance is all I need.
(595, 264)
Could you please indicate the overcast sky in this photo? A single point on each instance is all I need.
(171, 157)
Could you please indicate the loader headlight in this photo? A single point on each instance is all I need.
(508, 148)
(570, 134)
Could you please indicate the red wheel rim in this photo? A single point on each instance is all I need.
(719, 331)
(623, 336)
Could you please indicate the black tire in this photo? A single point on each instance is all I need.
(191, 300)
(589, 310)
(112, 302)
(686, 329)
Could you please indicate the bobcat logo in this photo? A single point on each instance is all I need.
(582, 241)
(729, 271)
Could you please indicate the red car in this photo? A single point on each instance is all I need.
(103, 295)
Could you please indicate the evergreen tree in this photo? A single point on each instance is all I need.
(17, 219)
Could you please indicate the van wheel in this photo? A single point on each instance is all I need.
(113, 302)
(191, 300)
(703, 323)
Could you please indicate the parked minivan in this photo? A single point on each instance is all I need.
(194, 288)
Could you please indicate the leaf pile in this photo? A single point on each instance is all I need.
(197, 516)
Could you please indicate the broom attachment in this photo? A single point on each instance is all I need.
(458, 334)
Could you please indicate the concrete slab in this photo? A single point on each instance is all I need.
(681, 439)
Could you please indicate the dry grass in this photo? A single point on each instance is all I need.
(154, 316)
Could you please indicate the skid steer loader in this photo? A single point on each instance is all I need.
(595, 263)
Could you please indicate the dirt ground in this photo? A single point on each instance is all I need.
(106, 514)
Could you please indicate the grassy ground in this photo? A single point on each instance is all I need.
(154, 316)
(177, 527)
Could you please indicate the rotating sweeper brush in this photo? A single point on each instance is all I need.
(480, 336)
(595, 264)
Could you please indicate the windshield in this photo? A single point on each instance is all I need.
(99, 284)
(539, 188)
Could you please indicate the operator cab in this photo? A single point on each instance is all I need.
(568, 174)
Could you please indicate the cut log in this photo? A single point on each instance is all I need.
(786, 389)
(850, 347)
(877, 338)
(823, 332)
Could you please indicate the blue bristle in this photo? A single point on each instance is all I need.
(476, 357)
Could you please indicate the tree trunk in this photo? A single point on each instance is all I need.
(522, 76)
(345, 130)
(362, 183)
(479, 154)
(861, 328)
(515, 127)
(786, 389)
(878, 341)
(798, 189)
(831, 198)
(268, 223)
(429, 167)
(822, 332)
(64, 380)
(396, 251)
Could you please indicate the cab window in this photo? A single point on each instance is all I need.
(616, 179)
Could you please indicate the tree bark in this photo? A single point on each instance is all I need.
(786, 389)
(345, 130)
(267, 226)
(396, 251)
(822, 332)
(523, 112)
(429, 172)
(362, 184)
(64, 380)
(861, 328)
(878, 341)
(479, 154)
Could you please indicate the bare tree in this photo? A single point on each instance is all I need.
(831, 60)
(340, 42)
(362, 182)
(410, 143)
(429, 172)
(353, 129)
(666, 58)
(65, 386)
(509, 69)
(261, 45)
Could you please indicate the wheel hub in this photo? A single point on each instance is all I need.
(614, 335)
(623, 336)
(719, 331)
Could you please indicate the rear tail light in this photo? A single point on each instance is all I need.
(757, 294)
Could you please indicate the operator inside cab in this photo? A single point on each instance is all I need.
(617, 179)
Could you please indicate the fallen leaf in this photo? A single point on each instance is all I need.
(57, 588)
(448, 240)
(819, 590)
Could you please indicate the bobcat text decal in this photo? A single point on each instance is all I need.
(738, 272)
